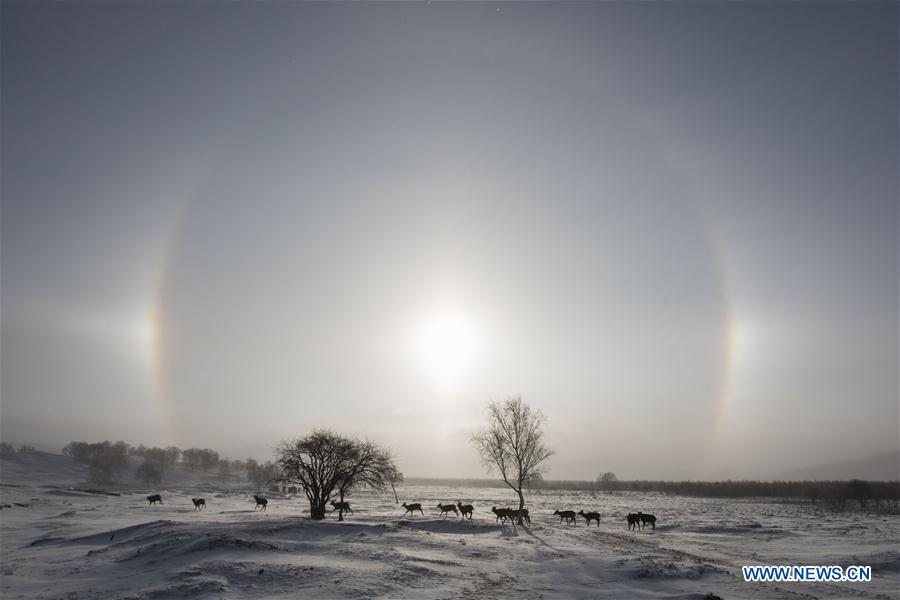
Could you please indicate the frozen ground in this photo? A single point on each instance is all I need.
(58, 542)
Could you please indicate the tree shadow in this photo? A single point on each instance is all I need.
(542, 541)
(511, 530)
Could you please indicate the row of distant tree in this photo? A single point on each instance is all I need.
(7, 448)
(868, 495)
(327, 465)
(106, 461)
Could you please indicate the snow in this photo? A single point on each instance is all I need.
(69, 541)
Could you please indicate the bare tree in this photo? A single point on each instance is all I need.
(607, 480)
(366, 464)
(513, 444)
(104, 460)
(325, 461)
(262, 475)
(200, 458)
(149, 472)
(251, 466)
(394, 479)
(224, 470)
(173, 453)
(607, 477)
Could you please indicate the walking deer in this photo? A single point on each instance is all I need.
(154, 499)
(343, 506)
(634, 521)
(590, 516)
(445, 508)
(199, 503)
(514, 514)
(647, 519)
(568, 515)
(465, 510)
(412, 507)
(261, 501)
(503, 514)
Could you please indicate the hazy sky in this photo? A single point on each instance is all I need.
(672, 227)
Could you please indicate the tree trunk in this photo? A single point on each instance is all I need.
(394, 489)
(521, 503)
(341, 510)
(317, 509)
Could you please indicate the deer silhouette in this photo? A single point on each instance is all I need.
(261, 501)
(590, 516)
(515, 512)
(154, 499)
(412, 507)
(344, 506)
(503, 514)
(634, 521)
(645, 518)
(568, 515)
(199, 503)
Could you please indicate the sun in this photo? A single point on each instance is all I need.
(448, 347)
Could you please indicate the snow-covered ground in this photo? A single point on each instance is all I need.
(59, 542)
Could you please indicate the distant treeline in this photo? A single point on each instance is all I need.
(7, 448)
(838, 493)
(107, 460)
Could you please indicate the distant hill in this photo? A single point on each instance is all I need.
(878, 467)
(41, 468)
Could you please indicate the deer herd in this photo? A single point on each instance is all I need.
(636, 521)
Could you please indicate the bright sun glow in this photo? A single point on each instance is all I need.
(448, 347)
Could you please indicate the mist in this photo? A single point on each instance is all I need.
(672, 228)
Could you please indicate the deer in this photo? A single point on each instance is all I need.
(343, 506)
(647, 519)
(514, 514)
(412, 507)
(465, 510)
(503, 514)
(568, 515)
(154, 499)
(199, 503)
(261, 501)
(590, 516)
(634, 521)
(445, 508)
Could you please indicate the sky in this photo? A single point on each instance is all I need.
(671, 227)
